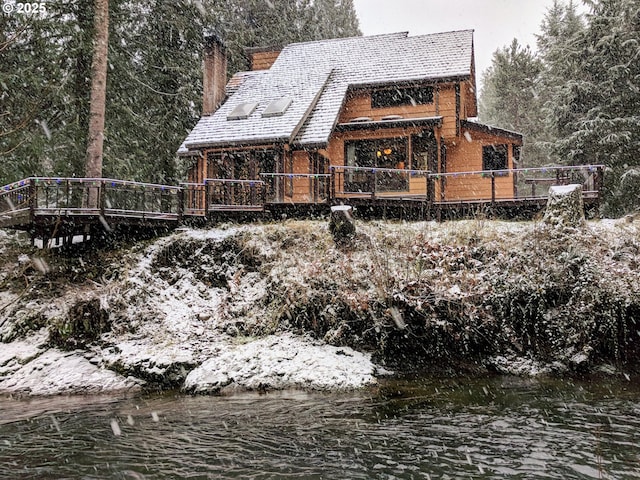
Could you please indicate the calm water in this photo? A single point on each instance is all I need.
(464, 428)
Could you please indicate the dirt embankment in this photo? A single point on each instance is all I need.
(493, 295)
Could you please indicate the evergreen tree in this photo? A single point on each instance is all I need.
(44, 74)
(154, 82)
(276, 23)
(598, 117)
(25, 93)
(154, 89)
(558, 47)
(509, 97)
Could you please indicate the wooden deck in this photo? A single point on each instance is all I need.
(66, 207)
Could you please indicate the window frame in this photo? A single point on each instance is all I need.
(494, 153)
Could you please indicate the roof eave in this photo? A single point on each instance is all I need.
(420, 80)
(236, 143)
(480, 127)
(396, 123)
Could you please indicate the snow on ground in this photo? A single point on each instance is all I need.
(185, 327)
(181, 323)
(519, 366)
(17, 353)
(55, 372)
(283, 361)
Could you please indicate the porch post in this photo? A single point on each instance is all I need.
(180, 209)
(373, 186)
(332, 184)
(33, 200)
(206, 198)
(493, 187)
(430, 193)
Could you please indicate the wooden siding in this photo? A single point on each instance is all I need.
(464, 154)
(263, 60)
(447, 109)
(469, 102)
(358, 104)
(417, 186)
(298, 189)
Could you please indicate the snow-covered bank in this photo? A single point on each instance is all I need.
(281, 362)
(281, 306)
(271, 363)
(168, 320)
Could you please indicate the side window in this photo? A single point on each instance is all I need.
(494, 157)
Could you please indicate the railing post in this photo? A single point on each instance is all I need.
(598, 183)
(600, 179)
(206, 199)
(430, 194)
(180, 211)
(67, 195)
(315, 182)
(373, 186)
(493, 187)
(101, 194)
(33, 199)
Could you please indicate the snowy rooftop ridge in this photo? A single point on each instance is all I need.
(317, 75)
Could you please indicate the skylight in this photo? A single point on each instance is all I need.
(242, 111)
(277, 107)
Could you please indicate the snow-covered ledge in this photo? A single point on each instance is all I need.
(281, 362)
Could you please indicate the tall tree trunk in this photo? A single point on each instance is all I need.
(95, 138)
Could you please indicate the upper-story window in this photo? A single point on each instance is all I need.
(400, 96)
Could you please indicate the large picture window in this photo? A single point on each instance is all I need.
(494, 157)
(380, 153)
(376, 157)
(401, 96)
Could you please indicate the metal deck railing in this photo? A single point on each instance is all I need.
(42, 201)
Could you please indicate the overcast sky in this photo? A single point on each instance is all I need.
(495, 22)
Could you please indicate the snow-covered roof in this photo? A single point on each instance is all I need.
(317, 75)
(481, 127)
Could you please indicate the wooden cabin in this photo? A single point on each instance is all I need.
(386, 120)
(352, 118)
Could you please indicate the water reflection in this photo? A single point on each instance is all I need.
(498, 427)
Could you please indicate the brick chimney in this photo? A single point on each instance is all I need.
(214, 74)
